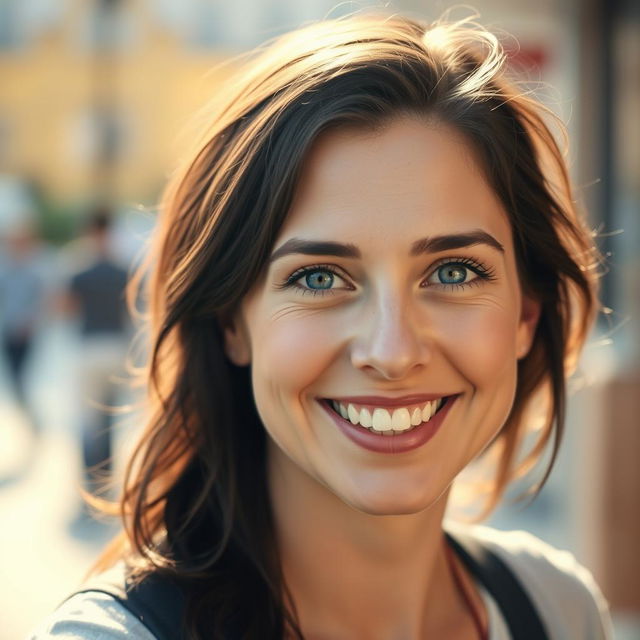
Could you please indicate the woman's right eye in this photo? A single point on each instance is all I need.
(317, 280)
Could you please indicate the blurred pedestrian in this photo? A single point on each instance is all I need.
(95, 295)
(22, 304)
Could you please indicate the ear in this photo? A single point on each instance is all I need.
(529, 316)
(237, 346)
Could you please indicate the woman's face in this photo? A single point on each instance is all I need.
(392, 290)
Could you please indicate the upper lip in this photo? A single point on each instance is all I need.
(383, 401)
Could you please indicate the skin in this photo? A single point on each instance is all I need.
(360, 532)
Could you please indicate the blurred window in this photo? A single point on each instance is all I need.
(109, 136)
(196, 23)
(173, 15)
(108, 25)
(11, 35)
(22, 21)
(207, 28)
(277, 18)
(99, 136)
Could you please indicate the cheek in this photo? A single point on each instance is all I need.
(481, 341)
(293, 349)
(480, 345)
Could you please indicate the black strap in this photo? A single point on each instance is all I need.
(158, 602)
(519, 612)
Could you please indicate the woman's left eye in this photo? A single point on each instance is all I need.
(457, 273)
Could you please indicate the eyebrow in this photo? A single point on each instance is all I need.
(316, 248)
(454, 241)
(432, 244)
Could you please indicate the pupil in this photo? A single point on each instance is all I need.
(319, 280)
(452, 275)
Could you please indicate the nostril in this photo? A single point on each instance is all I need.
(391, 359)
(391, 373)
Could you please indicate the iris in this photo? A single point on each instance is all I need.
(319, 280)
(452, 274)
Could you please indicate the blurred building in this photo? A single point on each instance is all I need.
(92, 94)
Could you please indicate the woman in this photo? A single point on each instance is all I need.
(370, 274)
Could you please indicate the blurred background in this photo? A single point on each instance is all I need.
(95, 101)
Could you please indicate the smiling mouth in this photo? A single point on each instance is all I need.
(383, 421)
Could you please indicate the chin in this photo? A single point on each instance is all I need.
(393, 501)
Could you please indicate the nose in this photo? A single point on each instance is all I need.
(391, 341)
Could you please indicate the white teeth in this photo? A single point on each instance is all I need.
(400, 420)
(386, 422)
(381, 420)
(365, 418)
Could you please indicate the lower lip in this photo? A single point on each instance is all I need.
(397, 443)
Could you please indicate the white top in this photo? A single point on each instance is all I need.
(564, 592)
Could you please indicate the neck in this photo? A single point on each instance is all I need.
(353, 574)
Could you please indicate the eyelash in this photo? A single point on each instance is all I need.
(484, 274)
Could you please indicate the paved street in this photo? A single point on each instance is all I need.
(44, 549)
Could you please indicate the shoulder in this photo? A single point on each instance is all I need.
(564, 591)
(91, 615)
(77, 279)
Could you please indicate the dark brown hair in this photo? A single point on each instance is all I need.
(195, 503)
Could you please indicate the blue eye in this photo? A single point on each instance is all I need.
(459, 273)
(319, 279)
(452, 273)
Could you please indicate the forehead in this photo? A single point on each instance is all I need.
(408, 179)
